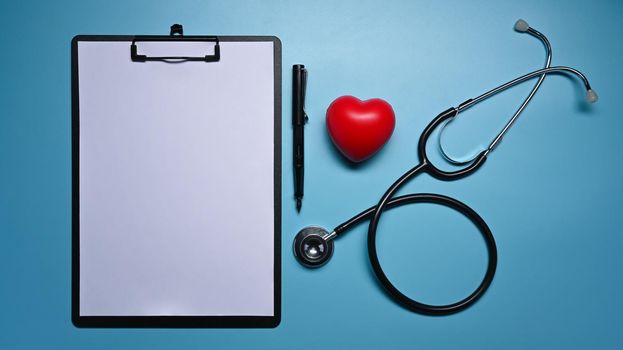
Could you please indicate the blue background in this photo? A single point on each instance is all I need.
(550, 192)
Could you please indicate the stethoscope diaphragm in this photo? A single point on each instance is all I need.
(311, 247)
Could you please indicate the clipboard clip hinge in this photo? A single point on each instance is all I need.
(177, 29)
(176, 34)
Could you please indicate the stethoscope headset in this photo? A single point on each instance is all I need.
(313, 246)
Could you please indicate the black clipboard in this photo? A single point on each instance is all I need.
(174, 321)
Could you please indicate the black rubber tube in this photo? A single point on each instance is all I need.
(386, 202)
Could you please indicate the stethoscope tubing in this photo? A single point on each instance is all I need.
(413, 305)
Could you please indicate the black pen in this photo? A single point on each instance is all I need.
(299, 82)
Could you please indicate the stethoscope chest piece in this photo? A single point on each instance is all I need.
(311, 247)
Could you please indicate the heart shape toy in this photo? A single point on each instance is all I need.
(358, 128)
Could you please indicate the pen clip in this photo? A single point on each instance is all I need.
(304, 92)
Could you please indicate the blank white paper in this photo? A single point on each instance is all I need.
(176, 181)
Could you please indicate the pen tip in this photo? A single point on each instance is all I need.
(298, 205)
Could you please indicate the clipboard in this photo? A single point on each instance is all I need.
(176, 181)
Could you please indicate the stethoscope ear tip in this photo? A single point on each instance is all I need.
(521, 26)
(311, 248)
(591, 96)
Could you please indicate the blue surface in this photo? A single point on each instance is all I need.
(550, 192)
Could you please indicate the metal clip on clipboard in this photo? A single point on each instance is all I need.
(177, 34)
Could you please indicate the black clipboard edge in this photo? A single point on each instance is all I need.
(170, 321)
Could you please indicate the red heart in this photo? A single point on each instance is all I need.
(360, 128)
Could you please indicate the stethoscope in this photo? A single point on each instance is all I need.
(313, 246)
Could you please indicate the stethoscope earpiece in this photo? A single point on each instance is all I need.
(312, 248)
